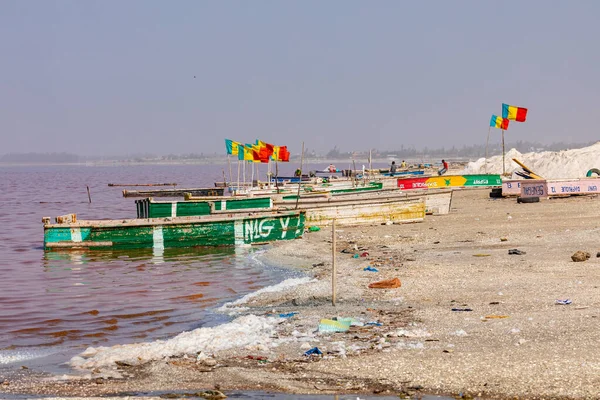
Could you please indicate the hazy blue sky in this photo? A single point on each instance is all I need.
(118, 77)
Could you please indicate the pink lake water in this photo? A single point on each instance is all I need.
(64, 301)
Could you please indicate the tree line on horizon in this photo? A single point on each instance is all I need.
(471, 151)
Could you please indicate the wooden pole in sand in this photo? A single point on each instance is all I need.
(277, 175)
(300, 181)
(333, 272)
(89, 196)
(237, 189)
(503, 163)
(370, 164)
(486, 149)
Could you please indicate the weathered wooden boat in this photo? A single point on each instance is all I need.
(450, 181)
(437, 202)
(149, 208)
(559, 187)
(216, 191)
(511, 187)
(344, 186)
(348, 209)
(159, 233)
(385, 173)
(350, 212)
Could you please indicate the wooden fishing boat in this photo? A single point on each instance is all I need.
(511, 187)
(159, 233)
(450, 181)
(344, 186)
(350, 212)
(216, 191)
(559, 187)
(149, 208)
(385, 173)
(437, 202)
(348, 209)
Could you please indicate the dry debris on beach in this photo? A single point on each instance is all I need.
(471, 316)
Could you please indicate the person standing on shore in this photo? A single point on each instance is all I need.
(403, 164)
(393, 168)
(444, 168)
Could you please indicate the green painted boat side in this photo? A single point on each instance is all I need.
(149, 208)
(372, 186)
(176, 232)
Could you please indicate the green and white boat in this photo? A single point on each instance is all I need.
(160, 233)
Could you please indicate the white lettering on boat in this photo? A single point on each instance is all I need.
(284, 224)
(254, 229)
(534, 190)
(570, 189)
(480, 182)
(265, 231)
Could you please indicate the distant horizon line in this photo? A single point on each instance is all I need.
(424, 151)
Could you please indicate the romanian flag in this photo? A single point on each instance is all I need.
(500, 123)
(514, 113)
(232, 147)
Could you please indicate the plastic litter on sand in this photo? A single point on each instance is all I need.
(330, 325)
(563, 302)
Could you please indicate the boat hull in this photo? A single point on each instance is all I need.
(367, 212)
(224, 230)
(148, 208)
(450, 181)
(559, 187)
(216, 191)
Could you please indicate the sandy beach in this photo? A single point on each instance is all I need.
(469, 318)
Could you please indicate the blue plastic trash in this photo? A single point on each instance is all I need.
(369, 268)
(288, 315)
(563, 302)
(314, 350)
(374, 323)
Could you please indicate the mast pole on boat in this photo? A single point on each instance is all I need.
(333, 269)
(238, 180)
(300, 181)
(503, 163)
(244, 174)
(370, 165)
(228, 163)
(486, 150)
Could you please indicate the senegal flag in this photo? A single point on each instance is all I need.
(514, 113)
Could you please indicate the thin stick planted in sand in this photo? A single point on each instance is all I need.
(333, 262)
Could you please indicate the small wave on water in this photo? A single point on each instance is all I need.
(26, 354)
